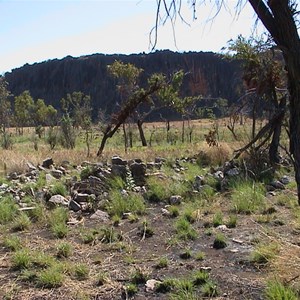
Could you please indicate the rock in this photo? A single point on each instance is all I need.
(75, 206)
(57, 174)
(49, 178)
(271, 194)
(119, 170)
(92, 185)
(223, 228)
(151, 285)
(165, 212)
(175, 200)
(199, 181)
(218, 175)
(47, 163)
(270, 188)
(13, 176)
(58, 200)
(30, 166)
(100, 215)
(159, 160)
(82, 197)
(138, 172)
(233, 172)
(285, 180)
(116, 160)
(277, 185)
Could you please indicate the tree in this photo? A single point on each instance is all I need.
(24, 106)
(265, 81)
(280, 18)
(5, 107)
(78, 106)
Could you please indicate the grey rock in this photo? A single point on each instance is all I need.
(175, 200)
(285, 180)
(218, 175)
(47, 163)
(100, 215)
(270, 188)
(57, 174)
(13, 176)
(30, 166)
(233, 172)
(82, 197)
(277, 185)
(116, 160)
(92, 185)
(151, 285)
(58, 200)
(119, 170)
(159, 160)
(75, 206)
(138, 172)
(49, 178)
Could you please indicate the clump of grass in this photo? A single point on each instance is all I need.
(166, 286)
(131, 289)
(276, 290)
(184, 229)
(60, 230)
(81, 271)
(189, 215)
(8, 209)
(210, 289)
(232, 221)
(64, 250)
(89, 236)
(51, 277)
(248, 197)
(186, 254)
(21, 222)
(200, 256)
(21, 259)
(174, 211)
(264, 253)
(57, 221)
(120, 204)
(108, 234)
(59, 188)
(200, 277)
(116, 220)
(139, 276)
(101, 279)
(217, 219)
(158, 189)
(12, 243)
(162, 263)
(219, 241)
(42, 260)
(38, 213)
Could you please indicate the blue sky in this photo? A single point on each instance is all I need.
(38, 30)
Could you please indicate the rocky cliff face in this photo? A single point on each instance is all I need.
(208, 74)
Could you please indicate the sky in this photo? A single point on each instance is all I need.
(38, 30)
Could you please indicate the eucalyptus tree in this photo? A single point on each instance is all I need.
(281, 20)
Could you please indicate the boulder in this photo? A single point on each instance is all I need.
(58, 200)
(100, 215)
(116, 160)
(138, 172)
(75, 206)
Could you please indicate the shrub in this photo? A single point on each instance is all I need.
(210, 289)
(131, 289)
(217, 219)
(200, 277)
(162, 263)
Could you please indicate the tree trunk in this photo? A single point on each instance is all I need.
(183, 132)
(125, 138)
(141, 132)
(273, 149)
(278, 16)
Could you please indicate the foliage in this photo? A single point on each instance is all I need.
(12, 243)
(68, 133)
(21, 222)
(184, 229)
(21, 259)
(64, 250)
(51, 277)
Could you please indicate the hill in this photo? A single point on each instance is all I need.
(208, 74)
